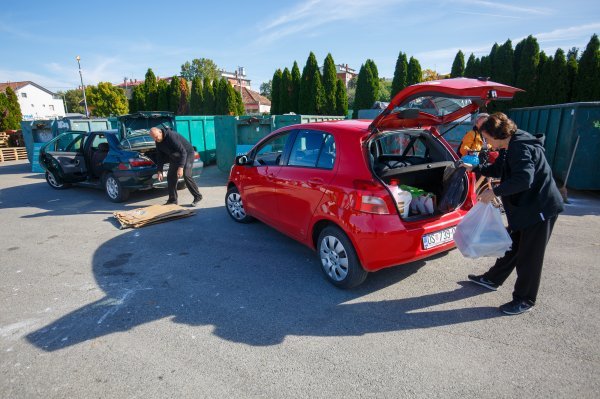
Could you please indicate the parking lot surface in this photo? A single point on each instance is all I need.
(206, 307)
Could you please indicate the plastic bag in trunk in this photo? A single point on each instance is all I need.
(482, 233)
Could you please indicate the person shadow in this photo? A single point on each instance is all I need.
(251, 283)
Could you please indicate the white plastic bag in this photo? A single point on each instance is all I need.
(482, 233)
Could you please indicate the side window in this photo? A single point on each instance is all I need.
(271, 152)
(306, 148)
(68, 142)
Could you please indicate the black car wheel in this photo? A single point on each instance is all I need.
(114, 189)
(338, 258)
(235, 206)
(54, 181)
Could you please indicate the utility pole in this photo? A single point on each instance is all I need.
(87, 113)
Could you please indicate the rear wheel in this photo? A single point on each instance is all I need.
(338, 259)
(54, 181)
(235, 206)
(114, 189)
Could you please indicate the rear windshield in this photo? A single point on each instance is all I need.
(402, 144)
(434, 105)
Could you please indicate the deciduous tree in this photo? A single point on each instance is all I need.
(106, 99)
(201, 67)
(14, 117)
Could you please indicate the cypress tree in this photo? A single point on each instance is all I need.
(221, 97)
(184, 99)
(492, 58)
(458, 66)
(364, 97)
(285, 92)
(240, 103)
(544, 85)
(232, 100)
(138, 99)
(162, 103)
(400, 74)
(375, 83)
(3, 112)
(307, 98)
(318, 101)
(414, 72)
(295, 88)
(276, 92)
(150, 91)
(472, 69)
(175, 94)
(527, 62)
(329, 85)
(572, 68)
(503, 64)
(208, 96)
(13, 119)
(341, 98)
(196, 97)
(559, 79)
(588, 74)
(485, 67)
(215, 86)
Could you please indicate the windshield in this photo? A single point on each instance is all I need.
(141, 126)
(434, 105)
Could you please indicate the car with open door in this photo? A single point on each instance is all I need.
(117, 163)
(333, 185)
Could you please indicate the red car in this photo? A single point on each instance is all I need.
(330, 185)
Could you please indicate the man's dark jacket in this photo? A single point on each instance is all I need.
(529, 193)
(175, 149)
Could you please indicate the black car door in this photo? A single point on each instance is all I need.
(64, 156)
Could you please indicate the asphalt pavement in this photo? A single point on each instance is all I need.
(203, 307)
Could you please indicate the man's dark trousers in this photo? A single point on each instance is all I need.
(190, 183)
(529, 246)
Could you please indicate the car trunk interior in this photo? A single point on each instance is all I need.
(413, 157)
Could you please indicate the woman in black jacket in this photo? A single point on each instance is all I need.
(532, 203)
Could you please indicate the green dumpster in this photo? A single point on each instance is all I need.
(200, 131)
(561, 125)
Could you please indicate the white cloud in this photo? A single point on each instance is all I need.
(499, 6)
(573, 32)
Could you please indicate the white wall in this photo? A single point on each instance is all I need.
(38, 104)
(264, 108)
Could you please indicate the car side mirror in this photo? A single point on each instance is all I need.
(241, 160)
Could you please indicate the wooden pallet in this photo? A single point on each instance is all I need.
(12, 154)
(3, 140)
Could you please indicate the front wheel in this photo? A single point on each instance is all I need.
(54, 181)
(338, 259)
(114, 189)
(235, 206)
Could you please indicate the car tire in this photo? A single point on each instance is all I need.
(180, 185)
(339, 260)
(54, 181)
(113, 188)
(235, 206)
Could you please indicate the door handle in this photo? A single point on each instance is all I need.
(316, 180)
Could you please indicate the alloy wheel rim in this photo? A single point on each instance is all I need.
(334, 258)
(52, 180)
(112, 188)
(236, 206)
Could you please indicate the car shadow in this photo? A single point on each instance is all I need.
(46, 201)
(249, 282)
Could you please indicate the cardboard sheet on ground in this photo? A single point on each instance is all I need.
(153, 214)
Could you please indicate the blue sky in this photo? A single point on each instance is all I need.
(117, 39)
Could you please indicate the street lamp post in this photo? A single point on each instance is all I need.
(87, 113)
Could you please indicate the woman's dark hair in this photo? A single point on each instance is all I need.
(499, 126)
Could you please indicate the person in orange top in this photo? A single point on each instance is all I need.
(473, 141)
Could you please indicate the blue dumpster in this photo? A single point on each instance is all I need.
(561, 125)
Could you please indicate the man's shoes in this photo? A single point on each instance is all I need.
(516, 306)
(484, 282)
(169, 202)
(196, 200)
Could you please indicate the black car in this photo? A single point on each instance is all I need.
(116, 161)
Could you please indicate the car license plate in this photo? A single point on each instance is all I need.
(437, 238)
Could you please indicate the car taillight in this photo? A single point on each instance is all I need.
(196, 156)
(140, 162)
(371, 198)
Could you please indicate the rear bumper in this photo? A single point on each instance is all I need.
(383, 241)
